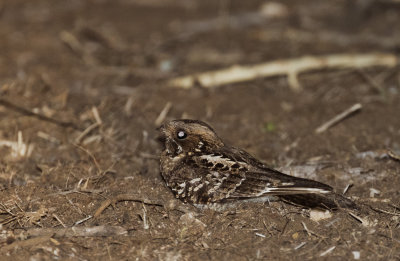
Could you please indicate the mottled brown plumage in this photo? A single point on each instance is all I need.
(201, 169)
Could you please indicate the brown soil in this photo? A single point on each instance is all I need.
(61, 59)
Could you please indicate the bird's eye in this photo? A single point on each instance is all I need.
(181, 135)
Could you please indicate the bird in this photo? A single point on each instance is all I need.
(201, 169)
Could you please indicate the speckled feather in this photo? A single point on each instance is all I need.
(200, 169)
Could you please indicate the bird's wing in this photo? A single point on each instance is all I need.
(236, 174)
(267, 181)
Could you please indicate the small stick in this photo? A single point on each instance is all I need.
(59, 220)
(128, 106)
(363, 221)
(89, 129)
(260, 235)
(96, 115)
(327, 251)
(93, 126)
(306, 229)
(91, 156)
(78, 191)
(124, 197)
(72, 42)
(83, 220)
(24, 111)
(300, 245)
(309, 232)
(145, 222)
(163, 114)
(47, 137)
(338, 118)
(346, 189)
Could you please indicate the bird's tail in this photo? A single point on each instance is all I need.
(324, 201)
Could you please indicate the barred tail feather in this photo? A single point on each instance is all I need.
(324, 201)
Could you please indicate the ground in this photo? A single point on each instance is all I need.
(82, 86)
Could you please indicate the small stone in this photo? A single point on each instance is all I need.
(317, 215)
(356, 255)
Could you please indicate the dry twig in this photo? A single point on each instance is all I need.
(364, 221)
(289, 67)
(124, 197)
(338, 118)
(327, 251)
(89, 129)
(27, 112)
(59, 220)
(309, 232)
(91, 156)
(93, 126)
(83, 220)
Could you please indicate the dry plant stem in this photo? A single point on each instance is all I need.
(59, 220)
(338, 118)
(346, 189)
(72, 42)
(309, 232)
(96, 115)
(327, 251)
(27, 112)
(91, 156)
(372, 82)
(163, 114)
(93, 126)
(89, 129)
(82, 220)
(363, 221)
(124, 197)
(77, 48)
(285, 67)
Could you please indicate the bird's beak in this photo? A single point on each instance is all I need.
(161, 128)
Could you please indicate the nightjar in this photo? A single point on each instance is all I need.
(201, 169)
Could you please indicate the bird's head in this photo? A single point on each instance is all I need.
(183, 136)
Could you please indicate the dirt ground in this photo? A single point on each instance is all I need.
(82, 84)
